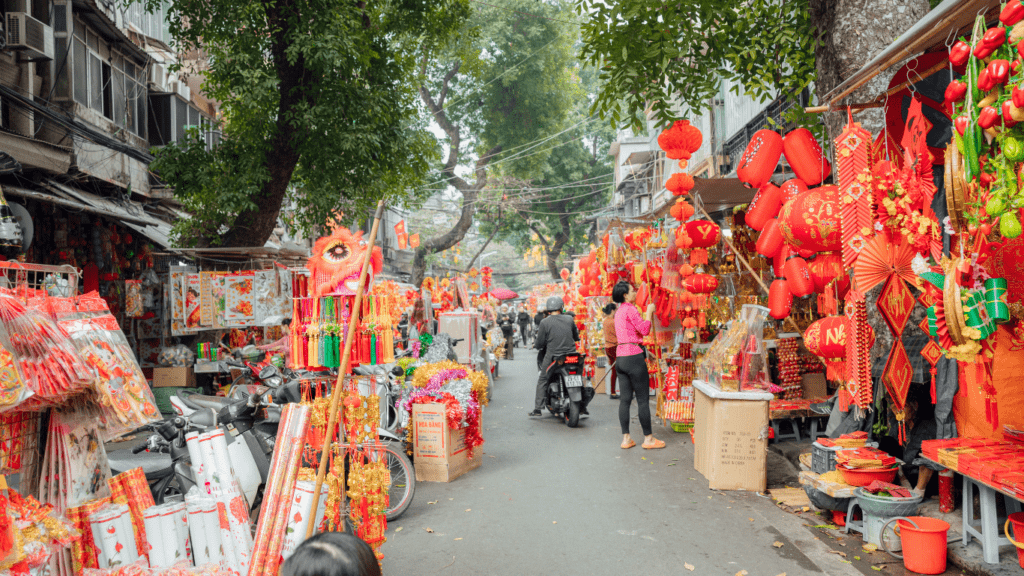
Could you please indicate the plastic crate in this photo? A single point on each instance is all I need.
(823, 458)
(682, 426)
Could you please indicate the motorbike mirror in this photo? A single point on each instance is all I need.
(267, 372)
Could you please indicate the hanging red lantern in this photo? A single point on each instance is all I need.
(791, 189)
(679, 184)
(805, 156)
(685, 270)
(704, 234)
(764, 206)
(798, 277)
(780, 300)
(683, 240)
(811, 220)
(701, 283)
(680, 140)
(824, 268)
(770, 240)
(779, 260)
(826, 338)
(759, 160)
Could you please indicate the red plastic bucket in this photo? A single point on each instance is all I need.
(924, 543)
(1017, 519)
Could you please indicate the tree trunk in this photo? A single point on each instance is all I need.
(850, 34)
(253, 227)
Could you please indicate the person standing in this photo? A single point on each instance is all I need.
(610, 343)
(524, 325)
(506, 321)
(631, 363)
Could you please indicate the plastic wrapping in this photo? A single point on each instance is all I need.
(736, 359)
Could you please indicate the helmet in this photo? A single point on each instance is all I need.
(553, 304)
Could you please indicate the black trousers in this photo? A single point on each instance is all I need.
(634, 381)
(524, 332)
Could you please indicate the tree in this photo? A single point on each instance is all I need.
(656, 52)
(503, 85)
(319, 103)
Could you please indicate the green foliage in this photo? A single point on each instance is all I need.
(318, 98)
(652, 53)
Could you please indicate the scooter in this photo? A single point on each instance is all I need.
(568, 394)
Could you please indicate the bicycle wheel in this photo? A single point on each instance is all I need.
(403, 480)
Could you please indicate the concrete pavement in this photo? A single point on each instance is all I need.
(548, 499)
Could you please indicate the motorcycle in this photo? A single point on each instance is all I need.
(568, 394)
(250, 422)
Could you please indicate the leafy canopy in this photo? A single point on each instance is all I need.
(655, 52)
(318, 98)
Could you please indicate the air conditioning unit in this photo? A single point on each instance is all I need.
(29, 36)
(182, 89)
(158, 77)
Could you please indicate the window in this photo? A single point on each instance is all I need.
(107, 81)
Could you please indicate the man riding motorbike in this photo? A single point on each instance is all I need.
(556, 336)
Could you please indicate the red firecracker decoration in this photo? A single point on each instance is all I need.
(764, 206)
(854, 189)
(858, 351)
(680, 140)
(805, 156)
(758, 162)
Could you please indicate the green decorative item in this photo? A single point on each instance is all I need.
(426, 340)
(1009, 226)
(995, 206)
(1013, 149)
(995, 300)
(976, 315)
(933, 322)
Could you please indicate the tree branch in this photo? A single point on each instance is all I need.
(452, 131)
(445, 84)
(482, 248)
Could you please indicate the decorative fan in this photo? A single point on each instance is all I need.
(881, 259)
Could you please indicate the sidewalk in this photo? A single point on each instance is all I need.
(967, 558)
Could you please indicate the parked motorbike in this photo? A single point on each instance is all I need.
(568, 393)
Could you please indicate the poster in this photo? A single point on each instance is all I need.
(239, 300)
(193, 288)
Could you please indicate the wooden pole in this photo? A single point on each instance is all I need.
(750, 269)
(353, 325)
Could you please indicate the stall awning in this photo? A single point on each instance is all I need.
(721, 193)
(950, 19)
(639, 157)
(36, 153)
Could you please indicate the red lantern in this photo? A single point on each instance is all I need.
(760, 158)
(770, 240)
(564, 273)
(679, 184)
(805, 157)
(780, 300)
(704, 234)
(780, 259)
(685, 270)
(811, 220)
(701, 283)
(764, 206)
(681, 140)
(791, 189)
(798, 278)
(824, 268)
(826, 338)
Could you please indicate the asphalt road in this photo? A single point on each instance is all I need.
(548, 499)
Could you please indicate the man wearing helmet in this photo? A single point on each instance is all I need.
(556, 336)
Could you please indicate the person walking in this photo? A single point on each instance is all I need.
(506, 321)
(524, 325)
(610, 343)
(631, 363)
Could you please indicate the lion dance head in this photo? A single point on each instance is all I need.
(336, 262)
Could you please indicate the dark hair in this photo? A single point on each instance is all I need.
(609, 308)
(619, 291)
(332, 554)
(286, 322)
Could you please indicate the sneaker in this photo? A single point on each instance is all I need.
(614, 396)
(584, 414)
(534, 413)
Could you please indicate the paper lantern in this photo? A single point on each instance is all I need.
(770, 240)
(704, 234)
(824, 268)
(679, 184)
(701, 283)
(811, 220)
(780, 300)
(826, 338)
(764, 206)
(798, 277)
(780, 259)
(680, 140)
(760, 158)
(564, 273)
(791, 189)
(685, 270)
(805, 157)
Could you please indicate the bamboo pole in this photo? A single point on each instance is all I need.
(353, 325)
(739, 256)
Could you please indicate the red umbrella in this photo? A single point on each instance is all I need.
(504, 294)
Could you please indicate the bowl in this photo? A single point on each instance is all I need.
(865, 476)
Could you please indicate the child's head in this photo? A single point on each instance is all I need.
(332, 554)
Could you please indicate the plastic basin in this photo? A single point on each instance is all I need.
(865, 476)
(886, 507)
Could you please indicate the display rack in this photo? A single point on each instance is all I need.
(22, 278)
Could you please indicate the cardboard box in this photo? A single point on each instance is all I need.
(814, 386)
(600, 381)
(440, 453)
(177, 376)
(731, 440)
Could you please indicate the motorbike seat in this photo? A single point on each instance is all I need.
(154, 465)
(200, 401)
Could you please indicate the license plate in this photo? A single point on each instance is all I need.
(573, 381)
